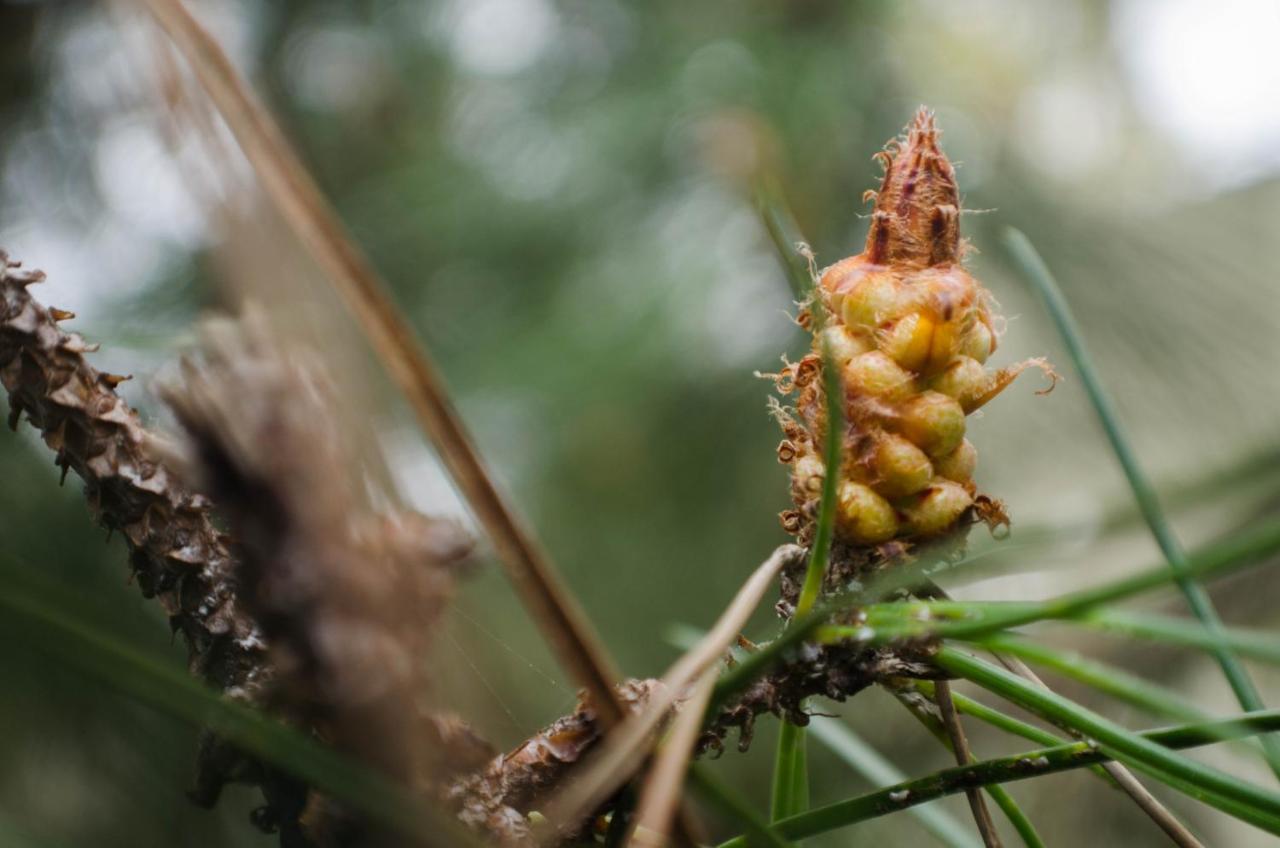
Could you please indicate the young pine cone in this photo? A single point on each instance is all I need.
(911, 332)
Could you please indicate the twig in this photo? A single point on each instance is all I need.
(1124, 778)
(1120, 773)
(960, 745)
(661, 794)
(625, 748)
(177, 554)
(319, 228)
(1144, 494)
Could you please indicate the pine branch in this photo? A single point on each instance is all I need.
(180, 558)
(347, 599)
(960, 747)
(176, 553)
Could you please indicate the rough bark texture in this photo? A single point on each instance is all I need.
(179, 557)
(837, 672)
(495, 800)
(176, 553)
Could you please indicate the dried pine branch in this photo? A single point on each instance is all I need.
(960, 747)
(176, 553)
(324, 680)
(347, 599)
(496, 799)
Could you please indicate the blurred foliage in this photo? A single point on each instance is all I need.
(560, 195)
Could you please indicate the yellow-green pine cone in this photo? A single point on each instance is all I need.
(911, 332)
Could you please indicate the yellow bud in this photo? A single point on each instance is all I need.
(959, 464)
(844, 344)
(942, 346)
(934, 422)
(873, 373)
(874, 299)
(900, 468)
(908, 340)
(936, 509)
(863, 517)
(979, 342)
(965, 380)
(808, 473)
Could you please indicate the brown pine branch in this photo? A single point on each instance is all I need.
(347, 599)
(960, 747)
(660, 797)
(570, 753)
(176, 553)
(1128, 783)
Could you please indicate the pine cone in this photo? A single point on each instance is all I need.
(911, 332)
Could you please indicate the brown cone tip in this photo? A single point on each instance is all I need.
(916, 220)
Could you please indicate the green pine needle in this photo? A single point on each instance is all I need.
(1155, 699)
(1255, 645)
(1049, 760)
(1198, 780)
(1038, 275)
(975, 620)
(854, 751)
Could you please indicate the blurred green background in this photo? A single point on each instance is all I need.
(559, 193)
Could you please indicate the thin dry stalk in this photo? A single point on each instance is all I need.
(660, 797)
(496, 798)
(318, 227)
(1176, 830)
(177, 554)
(1124, 778)
(960, 746)
(627, 745)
